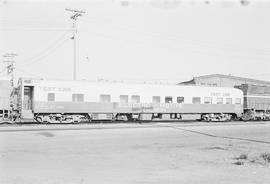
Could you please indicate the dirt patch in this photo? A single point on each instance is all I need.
(46, 134)
(238, 163)
(214, 148)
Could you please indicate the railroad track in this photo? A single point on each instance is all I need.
(118, 125)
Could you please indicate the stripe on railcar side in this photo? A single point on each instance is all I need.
(256, 96)
(93, 107)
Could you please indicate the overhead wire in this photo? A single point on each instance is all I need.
(184, 48)
(40, 59)
(235, 50)
(4, 69)
(28, 73)
(46, 52)
(33, 29)
(137, 41)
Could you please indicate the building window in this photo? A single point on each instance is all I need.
(228, 100)
(105, 98)
(77, 97)
(51, 97)
(219, 100)
(238, 101)
(207, 100)
(135, 99)
(196, 100)
(180, 99)
(124, 98)
(156, 99)
(168, 99)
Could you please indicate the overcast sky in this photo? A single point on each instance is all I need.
(142, 40)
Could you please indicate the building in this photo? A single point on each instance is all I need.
(223, 81)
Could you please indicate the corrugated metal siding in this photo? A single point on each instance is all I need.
(258, 103)
(267, 89)
(256, 89)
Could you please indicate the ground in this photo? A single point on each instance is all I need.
(135, 153)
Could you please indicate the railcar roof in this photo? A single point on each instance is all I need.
(125, 83)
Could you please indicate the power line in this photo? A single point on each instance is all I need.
(32, 29)
(2, 71)
(194, 43)
(201, 50)
(28, 73)
(50, 52)
(46, 52)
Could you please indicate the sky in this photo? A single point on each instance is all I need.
(166, 41)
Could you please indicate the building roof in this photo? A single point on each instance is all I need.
(190, 82)
(247, 80)
(234, 77)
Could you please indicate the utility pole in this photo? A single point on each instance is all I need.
(74, 17)
(9, 59)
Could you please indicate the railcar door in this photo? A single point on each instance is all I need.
(28, 98)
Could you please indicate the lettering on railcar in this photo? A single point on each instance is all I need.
(54, 89)
(149, 106)
(220, 94)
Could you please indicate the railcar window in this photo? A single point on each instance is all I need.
(196, 100)
(124, 98)
(168, 99)
(180, 99)
(228, 100)
(51, 97)
(238, 101)
(105, 98)
(77, 97)
(207, 100)
(135, 99)
(219, 100)
(156, 99)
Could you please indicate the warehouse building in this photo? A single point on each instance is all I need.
(223, 81)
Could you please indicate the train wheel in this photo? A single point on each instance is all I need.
(245, 118)
(39, 120)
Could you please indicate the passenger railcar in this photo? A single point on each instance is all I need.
(75, 101)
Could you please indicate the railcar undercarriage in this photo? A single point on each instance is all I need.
(62, 118)
(129, 117)
(218, 117)
(256, 115)
(58, 118)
